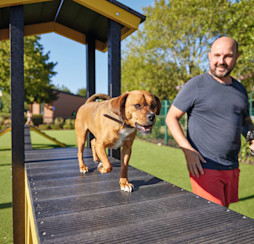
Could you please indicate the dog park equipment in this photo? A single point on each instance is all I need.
(64, 206)
(47, 136)
(5, 130)
(36, 130)
(100, 24)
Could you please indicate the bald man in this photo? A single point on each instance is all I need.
(218, 112)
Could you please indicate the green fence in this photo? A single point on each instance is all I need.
(251, 95)
(165, 105)
(161, 134)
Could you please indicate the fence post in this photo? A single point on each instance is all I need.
(166, 105)
(250, 103)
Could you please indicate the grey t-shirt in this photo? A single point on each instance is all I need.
(216, 114)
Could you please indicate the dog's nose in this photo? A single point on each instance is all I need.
(150, 117)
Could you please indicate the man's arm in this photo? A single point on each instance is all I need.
(193, 157)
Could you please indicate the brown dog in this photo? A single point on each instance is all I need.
(114, 123)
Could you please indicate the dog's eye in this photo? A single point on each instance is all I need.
(153, 106)
(137, 106)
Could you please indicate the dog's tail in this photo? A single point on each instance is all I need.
(98, 96)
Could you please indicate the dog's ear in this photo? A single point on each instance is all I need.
(158, 105)
(118, 104)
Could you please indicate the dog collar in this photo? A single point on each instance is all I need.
(118, 121)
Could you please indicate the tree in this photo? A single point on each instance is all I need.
(63, 88)
(81, 92)
(173, 43)
(38, 71)
(5, 103)
(240, 26)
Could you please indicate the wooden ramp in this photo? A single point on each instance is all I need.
(73, 208)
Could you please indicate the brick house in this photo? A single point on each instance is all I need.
(65, 107)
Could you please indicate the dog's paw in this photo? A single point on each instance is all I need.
(83, 170)
(125, 185)
(100, 166)
(127, 188)
(103, 170)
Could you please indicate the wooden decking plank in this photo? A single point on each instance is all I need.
(58, 174)
(102, 200)
(146, 222)
(98, 219)
(87, 188)
(67, 166)
(80, 180)
(134, 213)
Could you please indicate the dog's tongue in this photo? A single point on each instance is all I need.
(144, 129)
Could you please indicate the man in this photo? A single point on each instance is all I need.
(217, 108)
(29, 118)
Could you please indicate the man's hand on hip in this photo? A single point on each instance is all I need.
(194, 159)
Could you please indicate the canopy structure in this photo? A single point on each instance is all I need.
(74, 19)
(100, 24)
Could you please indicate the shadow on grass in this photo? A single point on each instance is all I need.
(5, 149)
(246, 198)
(1, 165)
(5, 205)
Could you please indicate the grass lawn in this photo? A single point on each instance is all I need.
(169, 164)
(163, 162)
(5, 189)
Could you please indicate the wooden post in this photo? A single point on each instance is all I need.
(90, 66)
(90, 75)
(17, 121)
(114, 65)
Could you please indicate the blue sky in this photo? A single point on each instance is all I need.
(71, 57)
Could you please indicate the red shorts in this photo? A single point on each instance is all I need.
(219, 186)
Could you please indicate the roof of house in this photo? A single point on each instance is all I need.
(67, 93)
(74, 19)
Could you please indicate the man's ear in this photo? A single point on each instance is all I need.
(118, 104)
(209, 55)
(158, 102)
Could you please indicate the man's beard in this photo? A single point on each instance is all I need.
(225, 74)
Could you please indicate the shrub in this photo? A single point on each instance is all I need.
(44, 126)
(55, 127)
(66, 126)
(5, 115)
(70, 122)
(59, 121)
(7, 122)
(1, 121)
(37, 119)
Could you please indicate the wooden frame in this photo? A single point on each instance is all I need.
(121, 22)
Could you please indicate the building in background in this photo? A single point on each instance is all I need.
(66, 106)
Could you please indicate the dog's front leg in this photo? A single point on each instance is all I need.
(125, 185)
(105, 166)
